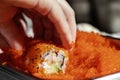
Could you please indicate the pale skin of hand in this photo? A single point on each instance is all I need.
(57, 11)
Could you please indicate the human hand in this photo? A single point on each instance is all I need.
(58, 12)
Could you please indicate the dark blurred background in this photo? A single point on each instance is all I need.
(103, 14)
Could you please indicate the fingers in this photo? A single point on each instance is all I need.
(59, 19)
(69, 13)
(12, 35)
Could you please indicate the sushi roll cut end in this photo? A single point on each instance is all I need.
(46, 58)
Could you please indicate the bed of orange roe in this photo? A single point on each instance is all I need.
(92, 56)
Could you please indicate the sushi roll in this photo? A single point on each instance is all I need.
(46, 58)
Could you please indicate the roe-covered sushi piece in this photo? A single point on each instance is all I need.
(46, 58)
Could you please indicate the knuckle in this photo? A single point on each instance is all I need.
(43, 7)
(71, 12)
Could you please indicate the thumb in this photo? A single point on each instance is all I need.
(13, 35)
(3, 43)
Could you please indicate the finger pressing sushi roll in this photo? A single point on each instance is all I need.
(46, 58)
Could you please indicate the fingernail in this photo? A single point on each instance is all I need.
(71, 46)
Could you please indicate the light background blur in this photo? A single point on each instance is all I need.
(103, 14)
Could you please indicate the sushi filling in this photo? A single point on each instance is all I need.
(53, 61)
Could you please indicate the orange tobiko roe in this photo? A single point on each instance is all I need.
(92, 56)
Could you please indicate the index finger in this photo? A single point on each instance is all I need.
(61, 24)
